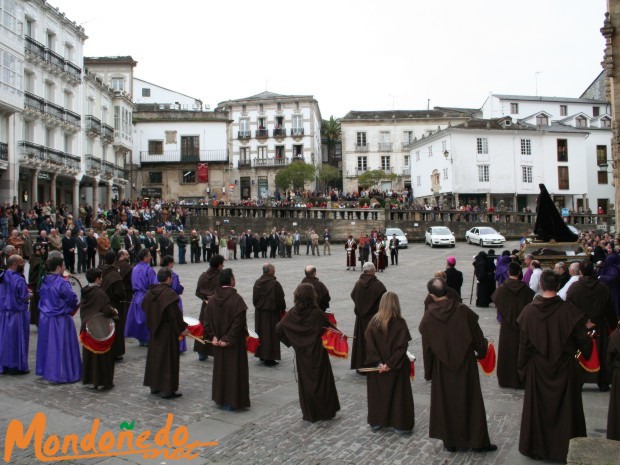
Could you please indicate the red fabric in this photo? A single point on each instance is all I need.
(335, 343)
(594, 364)
(332, 318)
(252, 344)
(488, 362)
(282, 314)
(203, 172)
(97, 347)
(75, 311)
(196, 330)
(412, 370)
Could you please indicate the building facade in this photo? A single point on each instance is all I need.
(379, 140)
(269, 131)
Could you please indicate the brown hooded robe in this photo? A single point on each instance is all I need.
(208, 283)
(164, 321)
(390, 400)
(112, 285)
(510, 298)
(302, 328)
(268, 300)
(451, 341)
(322, 294)
(551, 332)
(613, 365)
(226, 319)
(98, 369)
(366, 296)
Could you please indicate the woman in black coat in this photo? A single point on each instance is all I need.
(484, 269)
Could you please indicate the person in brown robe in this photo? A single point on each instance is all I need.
(451, 341)
(226, 327)
(322, 294)
(510, 298)
(112, 285)
(551, 333)
(208, 283)
(125, 269)
(450, 292)
(35, 276)
(613, 367)
(98, 368)
(366, 296)
(164, 321)
(350, 246)
(268, 300)
(593, 298)
(390, 400)
(301, 329)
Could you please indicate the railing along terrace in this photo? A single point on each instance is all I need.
(55, 59)
(73, 118)
(4, 151)
(176, 156)
(93, 124)
(35, 47)
(107, 132)
(279, 132)
(33, 101)
(297, 132)
(269, 162)
(227, 211)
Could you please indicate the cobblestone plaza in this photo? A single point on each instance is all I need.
(272, 430)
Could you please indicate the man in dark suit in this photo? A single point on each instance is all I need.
(454, 278)
(151, 244)
(91, 252)
(68, 251)
(82, 249)
(394, 242)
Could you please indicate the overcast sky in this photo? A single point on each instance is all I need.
(352, 54)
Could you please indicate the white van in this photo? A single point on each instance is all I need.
(400, 235)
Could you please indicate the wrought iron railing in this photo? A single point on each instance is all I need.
(297, 132)
(55, 59)
(244, 134)
(73, 118)
(270, 162)
(93, 124)
(33, 101)
(34, 47)
(107, 132)
(262, 133)
(178, 156)
(279, 132)
(4, 151)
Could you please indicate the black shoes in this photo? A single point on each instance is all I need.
(449, 448)
(270, 363)
(489, 448)
(172, 395)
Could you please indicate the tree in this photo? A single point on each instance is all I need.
(326, 174)
(295, 175)
(330, 131)
(372, 178)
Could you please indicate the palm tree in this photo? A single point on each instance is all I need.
(330, 131)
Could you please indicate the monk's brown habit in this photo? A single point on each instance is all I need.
(551, 332)
(613, 365)
(268, 300)
(302, 328)
(322, 294)
(451, 341)
(390, 400)
(226, 320)
(450, 294)
(98, 369)
(510, 298)
(112, 285)
(594, 299)
(208, 282)
(164, 321)
(366, 296)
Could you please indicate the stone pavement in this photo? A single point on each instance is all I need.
(272, 430)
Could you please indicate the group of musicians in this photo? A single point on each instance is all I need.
(374, 248)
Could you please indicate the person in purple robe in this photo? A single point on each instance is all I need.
(610, 276)
(168, 262)
(58, 351)
(142, 278)
(14, 318)
(527, 274)
(501, 272)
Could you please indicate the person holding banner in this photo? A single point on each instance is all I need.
(301, 329)
(97, 357)
(552, 331)
(451, 341)
(390, 400)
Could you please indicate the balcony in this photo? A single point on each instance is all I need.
(261, 133)
(54, 110)
(73, 70)
(406, 171)
(270, 162)
(73, 118)
(178, 156)
(107, 132)
(385, 146)
(93, 125)
(34, 102)
(244, 134)
(4, 151)
(297, 132)
(93, 165)
(361, 148)
(35, 48)
(39, 154)
(244, 164)
(403, 145)
(279, 132)
(54, 59)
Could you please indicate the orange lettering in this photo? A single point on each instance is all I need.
(15, 436)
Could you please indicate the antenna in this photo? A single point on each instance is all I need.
(393, 100)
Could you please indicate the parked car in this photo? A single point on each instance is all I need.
(439, 235)
(484, 236)
(400, 235)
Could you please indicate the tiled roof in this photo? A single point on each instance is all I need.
(532, 98)
(402, 114)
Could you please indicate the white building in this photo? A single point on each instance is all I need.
(270, 131)
(11, 94)
(378, 140)
(147, 92)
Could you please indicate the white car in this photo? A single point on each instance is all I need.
(400, 235)
(484, 236)
(439, 235)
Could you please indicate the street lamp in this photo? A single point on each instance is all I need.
(446, 154)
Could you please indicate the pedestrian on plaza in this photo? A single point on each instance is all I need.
(269, 305)
(573, 271)
(613, 365)
(322, 294)
(91, 249)
(454, 278)
(226, 329)
(112, 285)
(264, 243)
(350, 246)
(242, 242)
(207, 241)
(194, 242)
(68, 251)
(552, 331)
(256, 245)
(98, 365)
(296, 242)
(104, 243)
(27, 248)
(302, 328)
(451, 341)
(168, 262)
(366, 295)
(484, 270)
(315, 243)
(233, 239)
(142, 278)
(182, 245)
(510, 298)
(55, 241)
(393, 246)
(14, 318)
(58, 352)
(208, 283)
(151, 244)
(82, 251)
(308, 241)
(36, 273)
(327, 238)
(165, 323)
(390, 400)
(288, 238)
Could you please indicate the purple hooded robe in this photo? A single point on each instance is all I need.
(142, 278)
(14, 322)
